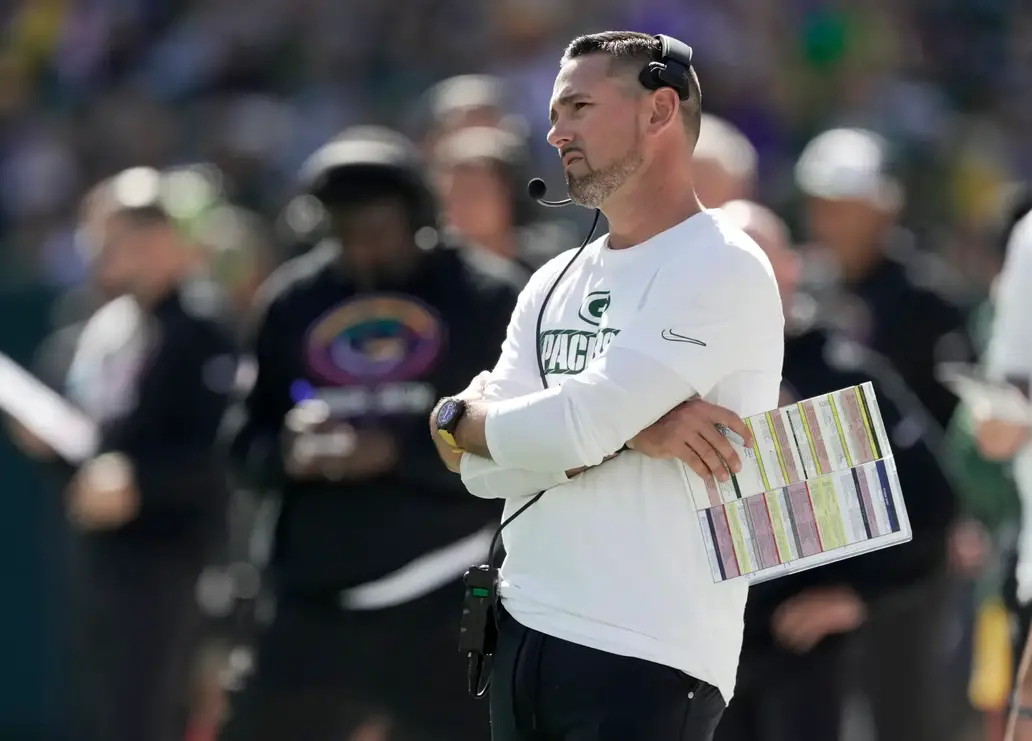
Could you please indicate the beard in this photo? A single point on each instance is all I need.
(594, 187)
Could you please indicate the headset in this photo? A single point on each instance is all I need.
(673, 69)
(480, 609)
(362, 158)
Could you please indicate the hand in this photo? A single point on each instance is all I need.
(801, 622)
(999, 440)
(315, 445)
(340, 453)
(689, 433)
(375, 454)
(103, 494)
(27, 442)
(372, 729)
(474, 392)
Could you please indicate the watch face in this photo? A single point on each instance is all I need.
(446, 413)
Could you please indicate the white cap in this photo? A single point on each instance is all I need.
(724, 144)
(848, 164)
(137, 187)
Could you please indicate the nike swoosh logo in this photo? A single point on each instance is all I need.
(672, 336)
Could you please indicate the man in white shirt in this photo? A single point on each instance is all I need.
(1009, 358)
(612, 626)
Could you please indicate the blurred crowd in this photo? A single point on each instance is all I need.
(92, 87)
(230, 99)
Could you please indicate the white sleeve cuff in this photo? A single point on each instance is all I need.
(486, 479)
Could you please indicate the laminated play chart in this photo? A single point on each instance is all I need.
(819, 485)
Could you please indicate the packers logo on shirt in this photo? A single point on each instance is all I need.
(594, 306)
(568, 351)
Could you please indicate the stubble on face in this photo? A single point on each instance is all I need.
(594, 187)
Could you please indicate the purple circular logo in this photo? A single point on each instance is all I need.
(375, 339)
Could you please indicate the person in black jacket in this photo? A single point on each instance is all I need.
(153, 369)
(353, 343)
(900, 301)
(791, 681)
(886, 290)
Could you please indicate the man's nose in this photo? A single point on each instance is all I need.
(559, 136)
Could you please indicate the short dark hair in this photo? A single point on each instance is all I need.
(631, 52)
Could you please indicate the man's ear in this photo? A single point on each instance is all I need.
(664, 111)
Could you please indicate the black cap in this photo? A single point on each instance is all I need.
(339, 170)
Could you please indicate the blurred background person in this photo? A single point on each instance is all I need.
(989, 496)
(481, 176)
(725, 161)
(794, 671)
(987, 482)
(467, 101)
(153, 368)
(892, 297)
(352, 343)
(102, 283)
(1009, 358)
(884, 290)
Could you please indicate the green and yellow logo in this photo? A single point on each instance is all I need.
(594, 307)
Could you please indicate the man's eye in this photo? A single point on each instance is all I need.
(578, 106)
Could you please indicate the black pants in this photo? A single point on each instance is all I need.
(135, 625)
(322, 673)
(902, 666)
(782, 696)
(547, 689)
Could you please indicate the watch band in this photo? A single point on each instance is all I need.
(449, 440)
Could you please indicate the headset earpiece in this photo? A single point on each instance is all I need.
(649, 76)
(673, 69)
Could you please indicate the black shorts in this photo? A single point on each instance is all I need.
(322, 672)
(547, 689)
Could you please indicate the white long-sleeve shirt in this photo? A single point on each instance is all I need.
(1010, 356)
(614, 559)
